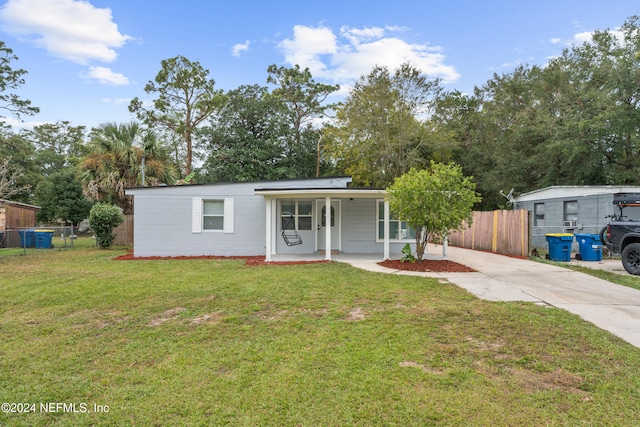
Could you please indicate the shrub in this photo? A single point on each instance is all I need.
(103, 218)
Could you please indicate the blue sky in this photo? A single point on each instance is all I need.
(87, 59)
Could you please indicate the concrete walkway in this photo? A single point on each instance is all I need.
(609, 306)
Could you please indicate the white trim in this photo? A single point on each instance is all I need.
(320, 203)
(196, 215)
(269, 241)
(228, 215)
(386, 251)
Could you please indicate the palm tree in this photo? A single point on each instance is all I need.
(115, 162)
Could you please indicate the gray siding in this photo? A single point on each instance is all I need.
(163, 219)
(359, 229)
(592, 216)
(163, 224)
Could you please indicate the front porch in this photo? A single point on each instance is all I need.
(357, 224)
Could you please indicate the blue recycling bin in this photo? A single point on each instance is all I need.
(43, 239)
(590, 247)
(560, 246)
(27, 238)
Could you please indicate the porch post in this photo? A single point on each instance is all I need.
(268, 242)
(386, 230)
(327, 221)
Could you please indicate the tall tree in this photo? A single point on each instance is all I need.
(246, 138)
(304, 102)
(17, 153)
(186, 97)
(10, 184)
(382, 129)
(11, 79)
(115, 162)
(58, 145)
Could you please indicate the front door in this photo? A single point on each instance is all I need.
(333, 222)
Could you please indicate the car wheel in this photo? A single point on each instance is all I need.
(631, 258)
(603, 236)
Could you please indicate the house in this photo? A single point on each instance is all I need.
(14, 215)
(268, 218)
(572, 209)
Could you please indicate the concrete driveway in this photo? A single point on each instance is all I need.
(609, 306)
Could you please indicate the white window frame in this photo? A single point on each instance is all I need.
(296, 215)
(197, 215)
(379, 220)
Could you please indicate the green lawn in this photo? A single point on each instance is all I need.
(215, 342)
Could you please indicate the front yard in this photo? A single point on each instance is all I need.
(92, 341)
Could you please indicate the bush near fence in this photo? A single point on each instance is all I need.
(502, 231)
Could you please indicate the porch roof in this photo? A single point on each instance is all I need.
(322, 192)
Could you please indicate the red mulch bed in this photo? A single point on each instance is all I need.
(250, 260)
(434, 266)
(443, 266)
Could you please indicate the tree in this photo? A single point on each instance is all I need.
(186, 98)
(58, 145)
(304, 103)
(17, 155)
(10, 180)
(60, 198)
(382, 129)
(115, 162)
(433, 201)
(246, 138)
(12, 79)
(103, 218)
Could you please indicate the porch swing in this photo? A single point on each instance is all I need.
(290, 235)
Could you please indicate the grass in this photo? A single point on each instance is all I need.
(216, 342)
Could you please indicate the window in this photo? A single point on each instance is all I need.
(571, 210)
(538, 214)
(398, 229)
(296, 215)
(212, 215)
(324, 216)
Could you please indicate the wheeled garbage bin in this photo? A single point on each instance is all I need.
(43, 239)
(27, 238)
(590, 247)
(560, 246)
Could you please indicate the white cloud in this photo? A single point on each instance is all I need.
(69, 29)
(116, 101)
(239, 48)
(354, 52)
(106, 76)
(17, 124)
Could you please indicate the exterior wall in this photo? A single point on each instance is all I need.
(163, 224)
(163, 218)
(592, 216)
(360, 227)
(15, 216)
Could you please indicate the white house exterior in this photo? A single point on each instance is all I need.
(572, 209)
(246, 219)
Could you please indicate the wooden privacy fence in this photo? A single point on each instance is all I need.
(124, 232)
(503, 232)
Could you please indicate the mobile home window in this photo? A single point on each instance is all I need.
(571, 210)
(538, 214)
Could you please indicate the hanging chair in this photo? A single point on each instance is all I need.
(290, 235)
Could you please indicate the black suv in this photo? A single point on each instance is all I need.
(622, 236)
